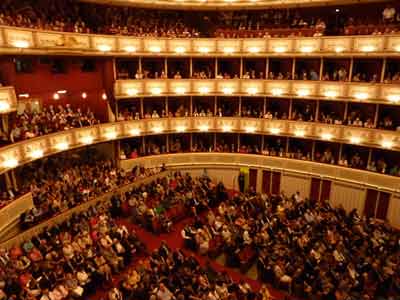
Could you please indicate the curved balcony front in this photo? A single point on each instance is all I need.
(26, 151)
(15, 40)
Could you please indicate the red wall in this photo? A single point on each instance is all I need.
(42, 83)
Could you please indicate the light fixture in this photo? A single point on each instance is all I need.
(61, 146)
(26, 95)
(203, 127)
(226, 128)
(275, 130)
(56, 96)
(110, 135)
(326, 136)
(180, 49)
(276, 92)
(394, 98)
(368, 48)
(227, 91)
(104, 96)
(20, 44)
(204, 49)
(87, 139)
(339, 49)
(300, 132)
(397, 48)
(254, 49)
(130, 49)
(135, 131)
(181, 128)
(280, 49)
(252, 90)
(132, 92)
(387, 144)
(61, 92)
(104, 48)
(355, 140)
(157, 129)
(307, 49)
(180, 90)
(10, 162)
(4, 105)
(330, 94)
(303, 92)
(228, 50)
(37, 153)
(155, 49)
(84, 95)
(204, 90)
(156, 91)
(361, 96)
(250, 129)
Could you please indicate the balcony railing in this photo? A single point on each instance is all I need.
(8, 100)
(324, 90)
(26, 151)
(28, 41)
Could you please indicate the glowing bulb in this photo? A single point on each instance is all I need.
(368, 48)
(361, 96)
(229, 50)
(300, 133)
(339, 49)
(303, 93)
(252, 90)
(397, 48)
(88, 139)
(181, 128)
(104, 48)
(56, 96)
(227, 90)
(104, 96)
(132, 92)
(275, 130)
(4, 105)
(135, 131)
(156, 91)
(10, 162)
(203, 127)
(110, 135)
(280, 49)
(20, 44)
(226, 128)
(157, 129)
(276, 92)
(61, 146)
(327, 136)
(84, 95)
(37, 153)
(331, 94)
(250, 129)
(204, 50)
(62, 92)
(355, 140)
(180, 49)
(204, 90)
(394, 98)
(155, 49)
(387, 144)
(307, 49)
(180, 90)
(130, 49)
(23, 95)
(254, 49)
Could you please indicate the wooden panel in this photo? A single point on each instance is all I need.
(292, 183)
(315, 189)
(370, 203)
(266, 182)
(383, 205)
(253, 179)
(347, 195)
(393, 215)
(325, 190)
(276, 183)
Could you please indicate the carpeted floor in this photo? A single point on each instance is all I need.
(174, 241)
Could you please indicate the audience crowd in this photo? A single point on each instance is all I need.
(69, 260)
(72, 16)
(309, 248)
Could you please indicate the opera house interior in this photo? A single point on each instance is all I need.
(200, 149)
